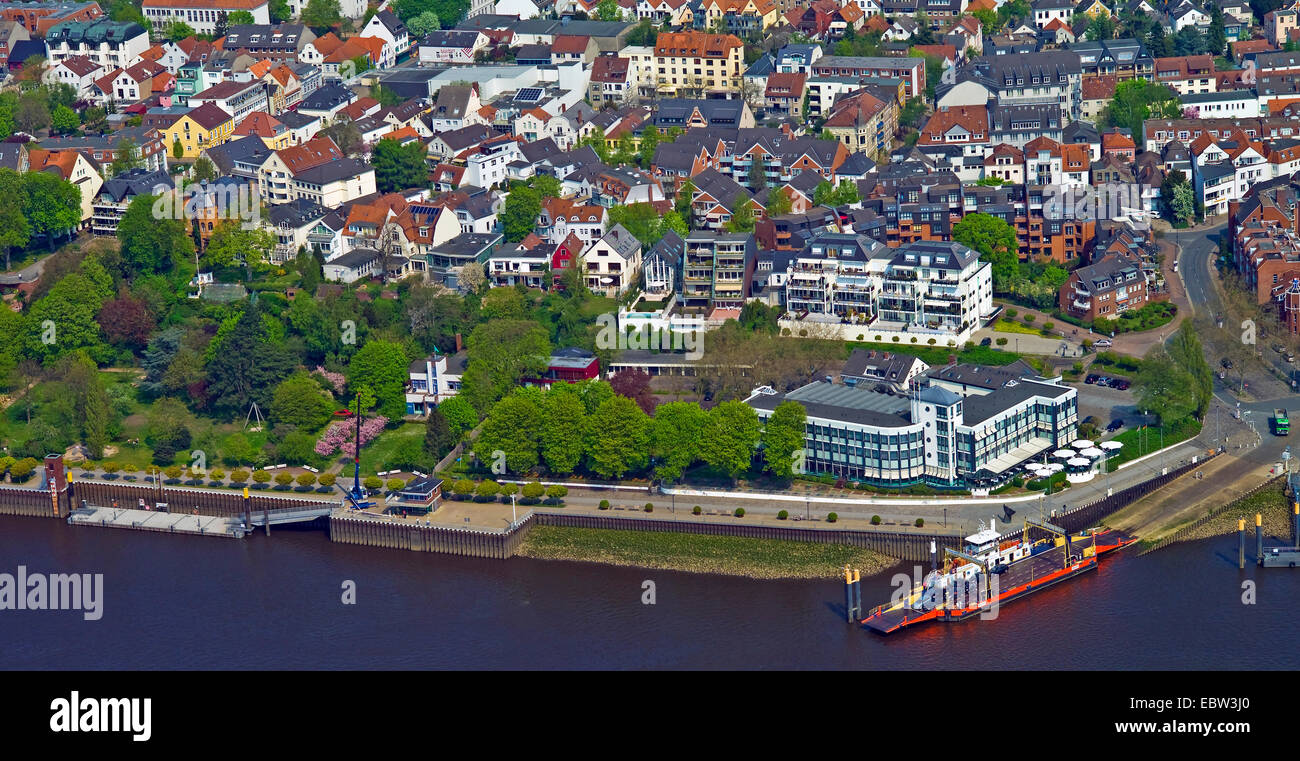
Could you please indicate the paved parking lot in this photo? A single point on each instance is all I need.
(1105, 404)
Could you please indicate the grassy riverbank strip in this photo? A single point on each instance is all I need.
(700, 553)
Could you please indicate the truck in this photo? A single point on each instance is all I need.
(1281, 425)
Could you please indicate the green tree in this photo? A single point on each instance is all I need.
(279, 11)
(1137, 100)
(64, 119)
(641, 219)
(245, 362)
(233, 245)
(299, 401)
(204, 169)
(151, 244)
(501, 354)
(730, 437)
(677, 432)
(742, 218)
(15, 232)
(381, 367)
(238, 18)
(422, 25)
(562, 424)
(783, 437)
(511, 428)
(399, 167)
(778, 203)
(461, 417)
(438, 438)
(321, 14)
(995, 240)
(177, 30)
(617, 439)
(1164, 388)
(608, 10)
(52, 205)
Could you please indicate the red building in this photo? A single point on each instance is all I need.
(569, 365)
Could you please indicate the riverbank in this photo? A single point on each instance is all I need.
(696, 553)
(1270, 502)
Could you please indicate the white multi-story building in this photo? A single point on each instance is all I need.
(927, 289)
(202, 15)
(112, 44)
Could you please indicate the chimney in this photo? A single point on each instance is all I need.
(458, 343)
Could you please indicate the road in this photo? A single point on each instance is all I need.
(1198, 249)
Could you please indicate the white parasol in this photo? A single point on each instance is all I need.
(1110, 446)
(1092, 452)
(1078, 462)
(1081, 444)
(1063, 454)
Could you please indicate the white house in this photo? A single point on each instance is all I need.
(613, 263)
(452, 46)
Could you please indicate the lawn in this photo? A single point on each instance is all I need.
(1007, 326)
(376, 454)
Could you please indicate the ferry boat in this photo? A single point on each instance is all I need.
(989, 571)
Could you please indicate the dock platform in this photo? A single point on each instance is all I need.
(152, 520)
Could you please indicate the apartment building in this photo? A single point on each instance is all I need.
(698, 64)
(202, 15)
(111, 44)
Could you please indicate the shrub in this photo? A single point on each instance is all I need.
(372, 482)
(782, 515)
(1029, 318)
(895, 339)
(696, 510)
(238, 476)
(21, 470)
(913, 339)
(859, 336)
(1011, 314)
(1018, 481)
(174, 471)
(1048, 325)
(130, 468)
(803, 333)
(506, 489)
(877, 338)
(832, 517)
(217, 474)
(261, 476)
(931, 342)
(111, 466)
(306, 479)
(284, 478)
(1002, 342)
(920, 522)
(326, 479)
(740, 512)
(533, 492)
(604, 504)
(557, 492)
(649, 507)
(394, 484)
(487, 490)
(875, 520)
(462, 488)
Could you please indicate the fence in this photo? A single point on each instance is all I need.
(1211, 515)
(205, 502)
(31, 502)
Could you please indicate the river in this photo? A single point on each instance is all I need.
(174, 602)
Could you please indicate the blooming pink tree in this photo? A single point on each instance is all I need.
(340, 436)
(335, 379)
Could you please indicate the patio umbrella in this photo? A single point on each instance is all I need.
(1055, 467)
(1081, 444)
(1110, 446)
(1078, 462)
(1091, 452)
(1063, 454)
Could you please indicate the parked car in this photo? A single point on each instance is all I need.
(1104, 342)
(1103, 381)
(1227, 363)
(1115, 425)
(1091, 378)
(1122, 385)
(1289, 357)
(986, 342)
(1279, 348)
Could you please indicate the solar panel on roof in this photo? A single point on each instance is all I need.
(529, 94)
